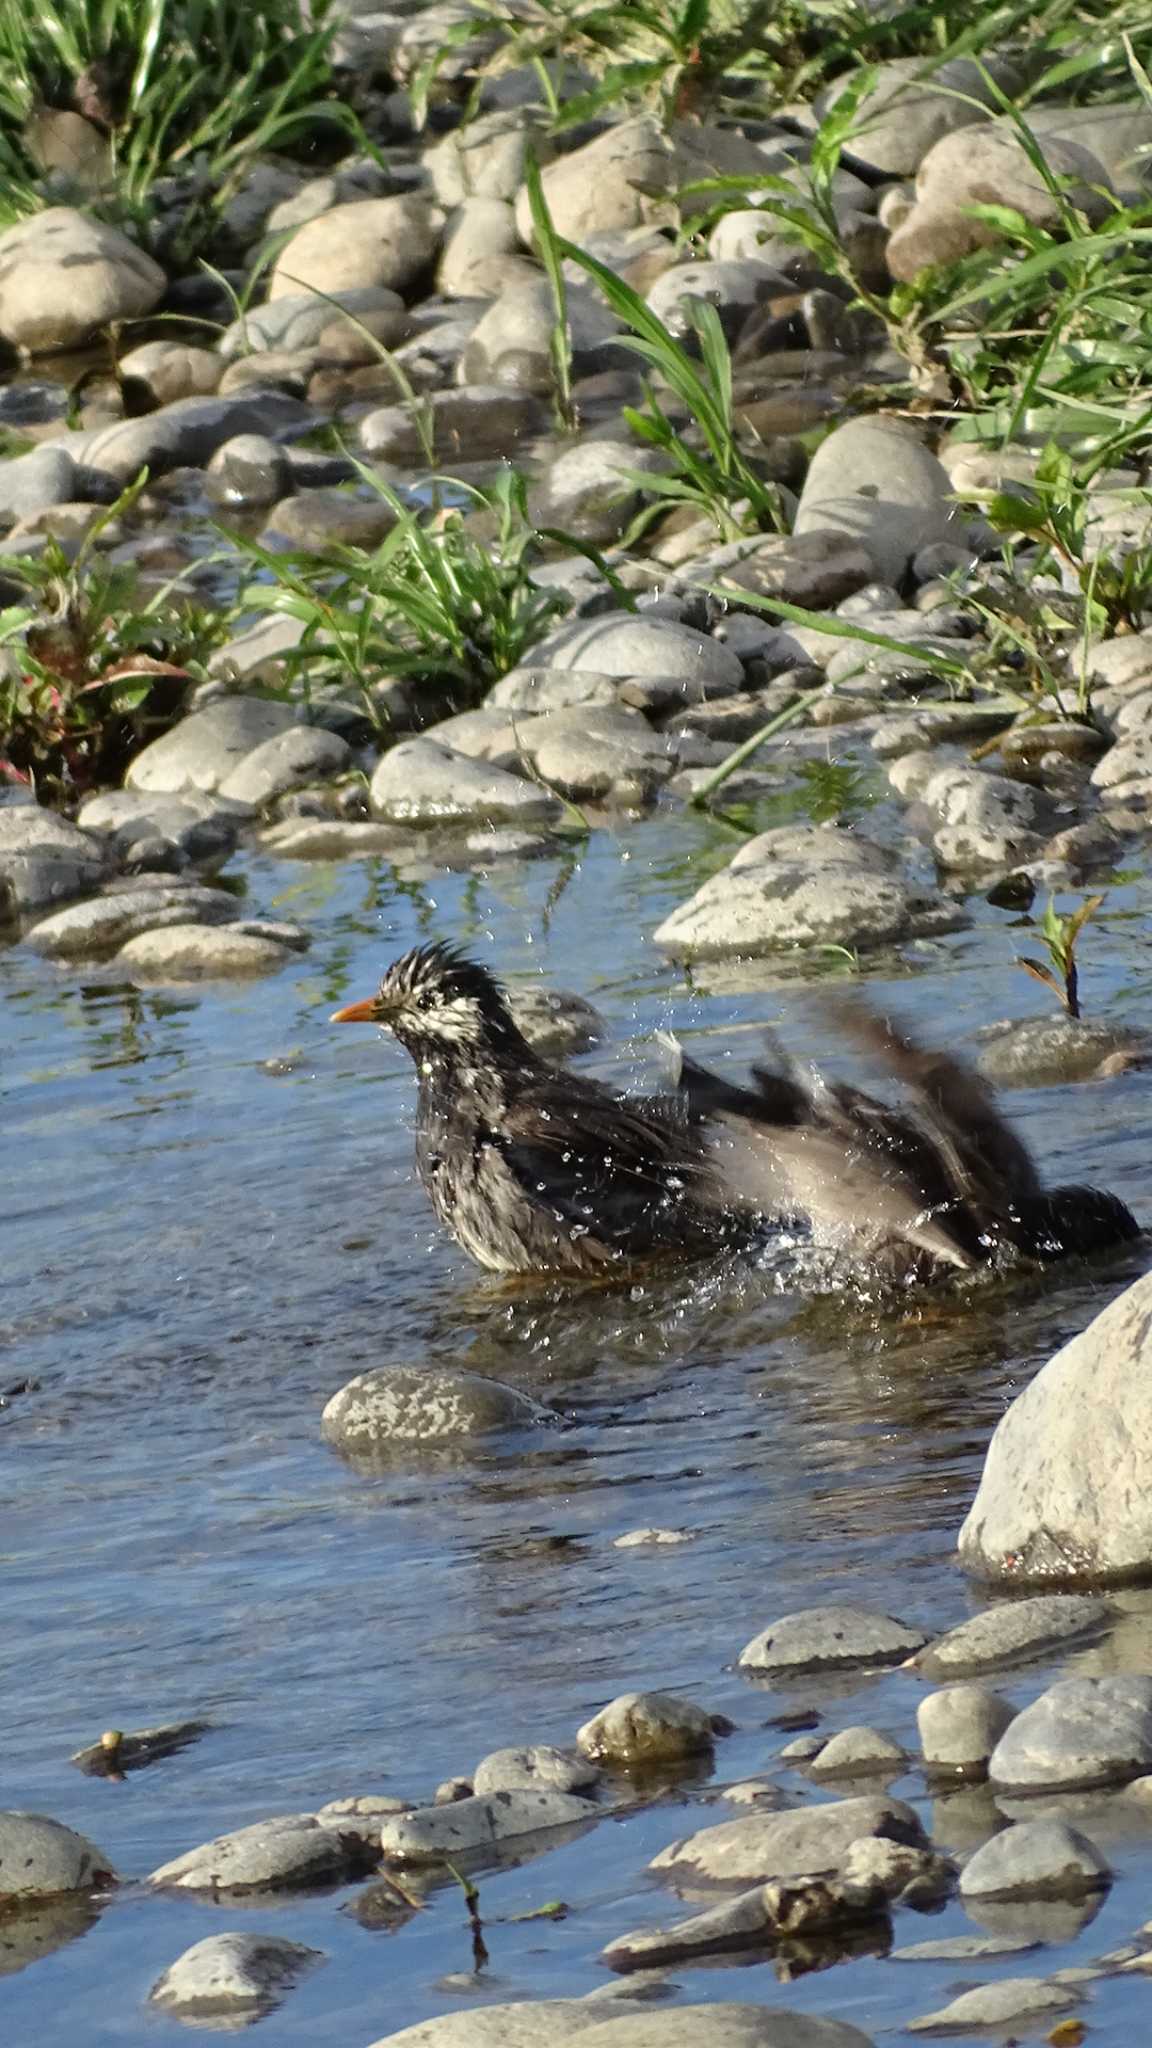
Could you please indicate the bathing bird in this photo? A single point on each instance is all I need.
(536, 1170)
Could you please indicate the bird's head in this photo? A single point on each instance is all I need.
(438, 1002)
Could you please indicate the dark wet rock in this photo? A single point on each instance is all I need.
(35, 482)
(765, 1846)
(646, 1728)
(803, 886)
(196, 952)
(483, 419)
(232, 1975)
(118, 1751)
(1012, 1633)
(291, 759)
(182, 436)
(538, 1766)
(1038, 1859)
(201, 828)
(86, 931)
(44, 860)
(1081, 1732)
(990, 165)
(874, 481)
(434, 1834)
(1066, 1491)
(1031, 1052)
(366, 242)
(169, 370)
(960, 1727)
(280, 1854)
(556, 1021)
(40, 1857)
(909, 106)
(201, 752)
(65, 277)
(804, 1907)
(1011, 2000)
(296, 320)
(422, 1404)
(420, 783)
(249, 470)
(856, 1751)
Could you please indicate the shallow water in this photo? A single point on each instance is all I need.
(210, 1222)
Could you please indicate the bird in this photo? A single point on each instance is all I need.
(908, 1192)
(533, 1169)
(536, 1170)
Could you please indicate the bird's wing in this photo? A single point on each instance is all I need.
(632, 1174)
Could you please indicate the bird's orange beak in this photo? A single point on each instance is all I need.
(356, 1013)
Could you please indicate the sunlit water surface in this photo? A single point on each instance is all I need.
(210, 1222)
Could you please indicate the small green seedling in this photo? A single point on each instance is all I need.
(1060, 932)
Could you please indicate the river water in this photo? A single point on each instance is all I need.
(211, 1222)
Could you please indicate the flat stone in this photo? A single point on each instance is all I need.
(806, 886)
(422, 1404)
(483, 419)
(197, 952)
(997, 2005)
(241, 1974)
(201, 752)
(763, 1846)
(963, 1948)
(855, 1750)
(725, 2026)
(1081, 1732)
(646, 1728)
(37, 481)
(292, 759)
(280, 1854)
(834, 1638)
(912, 103)
(815, 569)
(1035, 1859)
(40, 1857)
(420, 783)
(85, 931)
(201, 827)
(315, 521)
(960, 1727)
(1066, 1492)
(1012, 1633)
(627, 644)
(516, 1770)
(183, 435)
(44, 860)
(169, 370)
(533, 2023)
(434, 1834)
(800, 1908)
(874, 480)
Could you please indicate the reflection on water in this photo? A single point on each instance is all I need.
(210, 1222)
